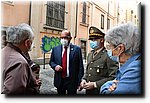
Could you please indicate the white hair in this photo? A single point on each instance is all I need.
(17, 34)
(127, 34)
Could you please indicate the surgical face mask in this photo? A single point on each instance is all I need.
(93, 44)
(114, 58)
(64, 42)
(31, 47)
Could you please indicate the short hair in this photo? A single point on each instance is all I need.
(17, 34)
(67, 31)
(127, 34)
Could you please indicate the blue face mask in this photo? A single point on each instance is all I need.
(93, 44)
(114, 58)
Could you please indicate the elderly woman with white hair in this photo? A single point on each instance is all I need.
(123, 45)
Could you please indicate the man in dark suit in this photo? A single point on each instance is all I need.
(100, 68)
(66, 61)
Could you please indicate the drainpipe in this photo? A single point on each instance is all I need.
(76, 21)
(107, 15)
(30, 13)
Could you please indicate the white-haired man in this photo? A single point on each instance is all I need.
(17, 74)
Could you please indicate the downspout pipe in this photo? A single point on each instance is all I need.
(76, 21)
(30, 13)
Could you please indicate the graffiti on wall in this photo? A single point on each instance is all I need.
(49, 43)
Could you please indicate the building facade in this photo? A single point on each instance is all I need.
(100, 14)
(128, 11)
(13, 13)
(49, 18)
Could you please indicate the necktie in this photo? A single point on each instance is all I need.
(94, 54)
(64, 63)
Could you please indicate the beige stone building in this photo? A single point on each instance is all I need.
(129, 11)
(49, 18)
(101, 14)
(76, 16)
(13, 13)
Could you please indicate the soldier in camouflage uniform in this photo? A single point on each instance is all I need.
(100, 68)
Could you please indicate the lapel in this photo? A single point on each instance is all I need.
(90, 57)
(60, 53)
(72, 51)
(99, 54)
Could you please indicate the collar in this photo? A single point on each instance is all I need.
(130, 60)
(97, 51)
(18, 50)
(67, 46)
(100, 49)
(14, 47)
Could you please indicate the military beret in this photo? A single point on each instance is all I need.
(95, 33)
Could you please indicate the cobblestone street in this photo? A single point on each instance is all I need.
(47, 77)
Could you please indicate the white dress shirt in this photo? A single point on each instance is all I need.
(68, 52)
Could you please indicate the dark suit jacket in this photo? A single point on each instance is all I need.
(76, 69)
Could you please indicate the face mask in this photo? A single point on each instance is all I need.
(29, 45)
(32, 45)
(114, 58)
(93, 44)
(64, 42)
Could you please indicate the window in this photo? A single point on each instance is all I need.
(8, 2)
(102, 21)
(84, 13)
(55, 14)
(83, 49)
(108, 23)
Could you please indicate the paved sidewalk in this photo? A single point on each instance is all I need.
(47, 77)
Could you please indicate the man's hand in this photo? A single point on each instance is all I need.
(89, 85)
(58, 68)
(82, 84)
(38, 82)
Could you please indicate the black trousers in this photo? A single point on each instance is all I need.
(66, 87)
(94, 91)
